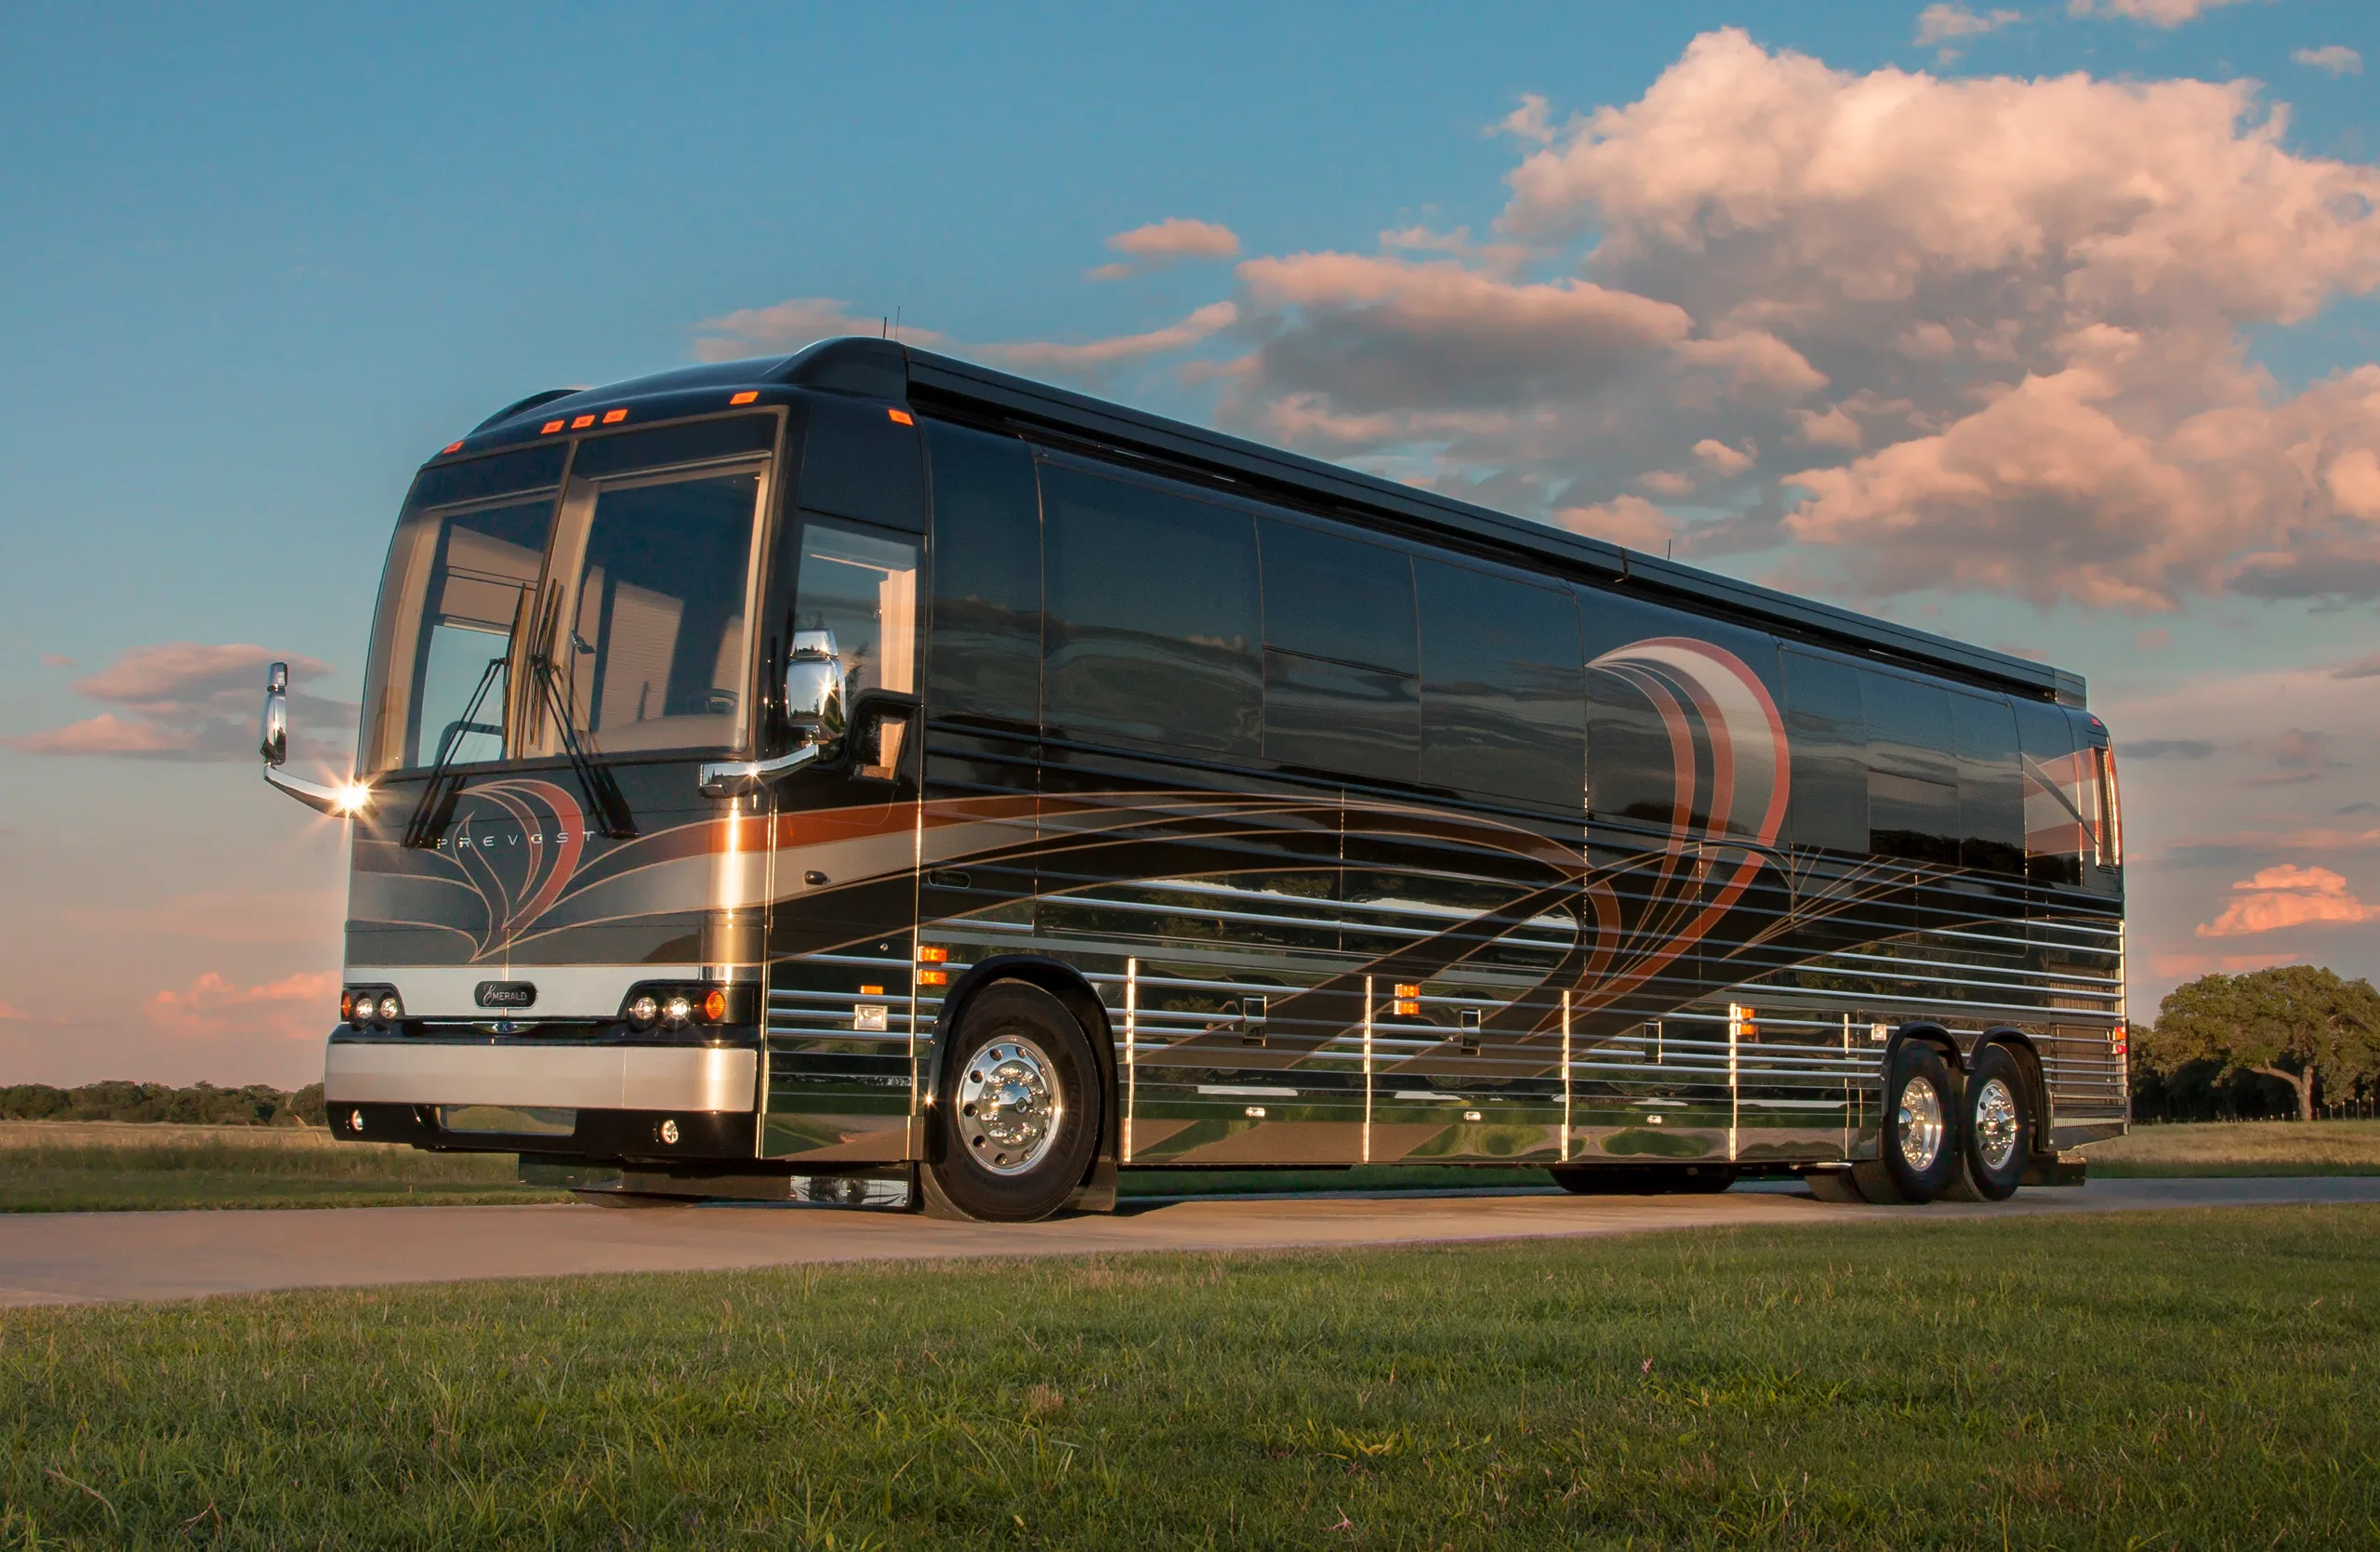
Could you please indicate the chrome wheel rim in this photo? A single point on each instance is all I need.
(1920, 1124)
(1995, 1124)
(1009, 1108)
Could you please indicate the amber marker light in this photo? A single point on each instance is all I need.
(581, 423)
(901, 417)
(748, 396)
(450, 447)
(714, 1006)
(934, 954)
(1408, 999)
(871, 992)
(549, 427)
(614, 416)
(934, 977)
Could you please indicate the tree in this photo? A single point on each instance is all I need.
(2302, 1025)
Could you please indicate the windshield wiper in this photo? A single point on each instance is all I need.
(437, 801)
(595, 784)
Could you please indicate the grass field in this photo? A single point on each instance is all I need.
(2201, 1379)
(2241, 1147)
(78, 1166)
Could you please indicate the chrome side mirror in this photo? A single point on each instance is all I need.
(814, 689)
(272, 743)
(272, 734)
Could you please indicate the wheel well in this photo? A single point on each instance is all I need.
(1927, 1034)
(1061, 981)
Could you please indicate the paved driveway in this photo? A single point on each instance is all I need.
(84, 1257)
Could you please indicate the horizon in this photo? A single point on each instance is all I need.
(2053, 330)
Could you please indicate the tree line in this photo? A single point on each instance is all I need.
(2288, 1040)
(200, 1105)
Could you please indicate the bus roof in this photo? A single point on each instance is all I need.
(887, 370)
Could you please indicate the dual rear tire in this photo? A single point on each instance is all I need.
(1947, 1133)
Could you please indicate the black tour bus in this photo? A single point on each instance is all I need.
(863, 776)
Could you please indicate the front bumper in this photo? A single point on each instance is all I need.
(550, 1076)
(621, 1100)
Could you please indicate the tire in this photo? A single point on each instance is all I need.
(1018, 1111)
(1643, 1180)
(1921, 1141)
(1995, 1126)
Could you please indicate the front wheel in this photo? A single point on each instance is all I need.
(1018, 1110)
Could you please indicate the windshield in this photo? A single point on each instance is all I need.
(461, 575)
(618, 600)
(648, 634)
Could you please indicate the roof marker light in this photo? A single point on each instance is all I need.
(614, 416)
(549, 427)
(450, 447)
(748, 396)
(901, 417)
(582, 422)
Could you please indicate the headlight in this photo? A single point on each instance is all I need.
(391, 1009)
(644, 1009)
(678, 1010)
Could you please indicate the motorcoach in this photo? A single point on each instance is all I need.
(867, 776)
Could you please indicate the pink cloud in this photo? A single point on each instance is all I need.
(1628, 519)
(2288, 895)
(1100, 353)
(196, 702)
(9, 1011)
(2335, 58)
(1167, 242)
(56, 660)
(2157, 13)
(787, 326)
(1942, 22)
(299, 1006)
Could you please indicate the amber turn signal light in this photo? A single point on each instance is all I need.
(714, 1006)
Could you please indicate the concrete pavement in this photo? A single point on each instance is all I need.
(89, 1257)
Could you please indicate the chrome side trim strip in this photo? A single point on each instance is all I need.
(563, 991)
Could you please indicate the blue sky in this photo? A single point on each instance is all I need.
(260, 263)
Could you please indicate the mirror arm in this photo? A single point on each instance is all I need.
(273, 744)
(727, 779)
(338, 803)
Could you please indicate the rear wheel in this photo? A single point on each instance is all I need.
(1996, 1126)
(1921, 1140)
(1642, 1180)
(1018, 1110)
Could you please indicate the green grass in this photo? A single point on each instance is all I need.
(2189, 1379)
(105, 1166)
(2240, 1147)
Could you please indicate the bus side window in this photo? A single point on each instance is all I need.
(986, 652)
(1913, 775)
(1503, 708)
(1341, 691)
(1153, 633)
(2057, 808)
(1992, 801)
(1826, 731)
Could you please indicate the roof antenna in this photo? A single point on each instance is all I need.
(896, 323)
(1668, 548)
(883, 327)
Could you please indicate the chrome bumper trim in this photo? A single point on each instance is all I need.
(563, 991)
(557, 1077)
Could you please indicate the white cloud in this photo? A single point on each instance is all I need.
(191, 700)
(2157, 13)
(1942, 22)
(1167, 242)
(2336, 59)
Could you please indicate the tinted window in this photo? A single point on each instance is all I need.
(858, 462)
(622, 452)
(1502, 709)
(2054, 794)
(986, 576)
(1329, 596)
(1913, 778)
(1991, 817)
(1154, 627)
(1341, 717)
(1826, 731)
